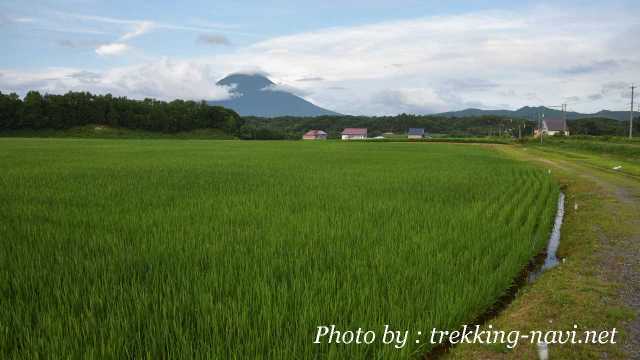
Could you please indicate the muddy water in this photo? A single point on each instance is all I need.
(551, 260)
(528, 275)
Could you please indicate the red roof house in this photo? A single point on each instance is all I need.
(354, 134)
(315, 135)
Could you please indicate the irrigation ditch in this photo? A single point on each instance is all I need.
(545, 260)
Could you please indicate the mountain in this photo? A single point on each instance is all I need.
(531, 113)
(256, 95)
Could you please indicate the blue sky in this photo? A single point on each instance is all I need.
(49, 25)
(356, 57)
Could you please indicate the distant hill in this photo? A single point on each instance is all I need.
(531, 113)
(255, 95)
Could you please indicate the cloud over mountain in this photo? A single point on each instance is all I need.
(256, 95)
(491, 59)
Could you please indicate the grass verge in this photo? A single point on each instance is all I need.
(582, 291)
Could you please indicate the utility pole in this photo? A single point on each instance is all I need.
(520, 132)
(631, 114)
(540, 120)
(564, 117)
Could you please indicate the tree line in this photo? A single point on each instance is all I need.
(472, 126)
(48, 111)
(294, 127)
(602, 126)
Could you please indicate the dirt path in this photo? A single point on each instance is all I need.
(597, 286)
(620, 257)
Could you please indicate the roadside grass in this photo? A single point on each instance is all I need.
(579, 291)
(605, 162)
(230, 249)
(599, 138)
(600, 146)
(445, 139)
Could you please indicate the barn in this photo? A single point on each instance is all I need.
(354, 134)
(315, 135)
(553, 126)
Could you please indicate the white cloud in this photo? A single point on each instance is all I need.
(112, 49)
(486, 59)
(161, 79)
(213, 39)
(167, 79)
(24, 20)
(289, 89)
(139, 28)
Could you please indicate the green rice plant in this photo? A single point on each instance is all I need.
(230, 249)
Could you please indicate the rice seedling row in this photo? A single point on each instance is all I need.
(235, 249)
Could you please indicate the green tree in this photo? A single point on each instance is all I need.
(10, 108)
(33, 115)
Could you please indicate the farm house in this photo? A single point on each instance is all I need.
(553, 126)
(354, 134)
(415, 133)
(315, 135)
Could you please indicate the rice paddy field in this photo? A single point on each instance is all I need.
(232, 249)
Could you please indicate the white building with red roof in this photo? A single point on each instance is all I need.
(354, 134)
(315, 135)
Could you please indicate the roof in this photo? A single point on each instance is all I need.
(555, 124)
(416, 131)
(354, 131)
(315, 133)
